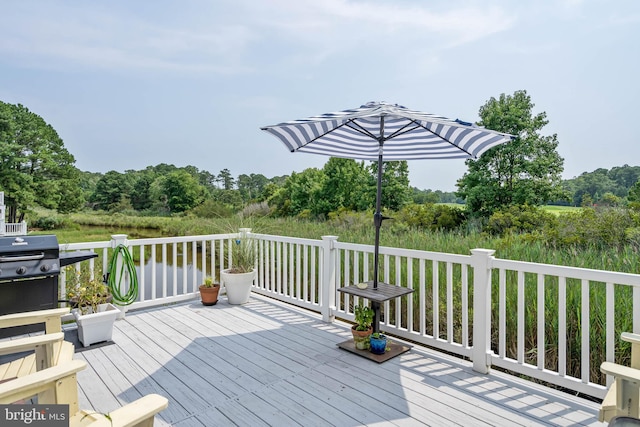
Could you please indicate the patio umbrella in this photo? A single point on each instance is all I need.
(386, 132)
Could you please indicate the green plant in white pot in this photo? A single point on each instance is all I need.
(92, 309)
(239, 277)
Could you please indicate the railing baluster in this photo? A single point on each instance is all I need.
(502, 313)
(411, 296)
(422, 304)
(540, 344)
(562, 326)
(610, 339)
(153, 272)
(141, 275)
(464, 278)
(585, 327)
(164, 270)
(449, 271)
(435, 297)
(521, 305)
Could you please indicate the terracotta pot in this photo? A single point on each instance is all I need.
(209, 295)
(361, 338)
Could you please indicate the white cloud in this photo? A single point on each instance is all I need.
(87, 35)
(92, 37)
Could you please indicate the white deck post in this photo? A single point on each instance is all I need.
(481, 352)
(328, 302)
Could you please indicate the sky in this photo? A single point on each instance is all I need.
(134, 84)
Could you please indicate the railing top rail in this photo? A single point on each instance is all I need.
(411, 253)
(570, 272)
(179, 239)
(286, 239)
(84, 245)
(147, 241)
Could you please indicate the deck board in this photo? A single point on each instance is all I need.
(269, 364)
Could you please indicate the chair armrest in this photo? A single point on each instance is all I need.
(138, 412)
(50, 317)
(29, 343)
(629, 337)
(620, 371)
(41, 381)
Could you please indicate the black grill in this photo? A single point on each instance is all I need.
(29, 273)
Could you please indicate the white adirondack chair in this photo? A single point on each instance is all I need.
(58, 385)
(623, 397)
(48, 349)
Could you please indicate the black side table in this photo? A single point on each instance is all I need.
(383, 292)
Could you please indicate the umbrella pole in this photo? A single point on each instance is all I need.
(377, 221)
(377, 217)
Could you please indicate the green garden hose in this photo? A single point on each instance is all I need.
(114, 281)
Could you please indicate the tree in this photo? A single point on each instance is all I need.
(346, 185)
(225, 178)
(109, 190)
(395, 184)
(634, 192)
(35, 167)
(594, 184)
(299, 192)
(251, 186)
(140, 193)
(524, 171)
(182, 191)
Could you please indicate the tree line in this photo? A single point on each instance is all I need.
(37, 170)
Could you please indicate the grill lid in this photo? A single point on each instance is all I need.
(44, 243)
(29, 256)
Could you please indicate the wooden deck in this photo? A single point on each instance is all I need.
(270, 364)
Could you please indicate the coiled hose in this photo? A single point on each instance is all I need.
(114, 281)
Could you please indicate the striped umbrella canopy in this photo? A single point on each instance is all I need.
(385, 132)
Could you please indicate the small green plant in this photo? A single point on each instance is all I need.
(377, 335)
(209, 282)
(86, 293)
(364, 317)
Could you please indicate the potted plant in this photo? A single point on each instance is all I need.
(378, 343)
(209, 291)
(238, 279)
(92, 310)
(361, 331)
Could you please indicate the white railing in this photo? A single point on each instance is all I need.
(13, 229)
(169, 269)
(474, 305)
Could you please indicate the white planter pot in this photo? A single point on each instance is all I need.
(238, 286)
(96, 327)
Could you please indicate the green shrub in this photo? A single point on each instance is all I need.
(447, 218)
(519, 219)
(601, 228)
(431, 217)
(211, 209)
(52, 222)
